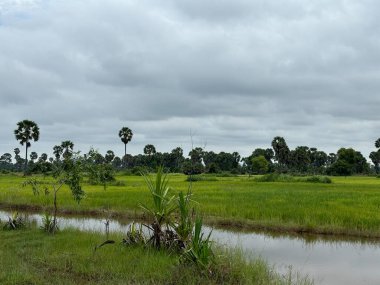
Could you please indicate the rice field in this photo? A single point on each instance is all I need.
(347, 206)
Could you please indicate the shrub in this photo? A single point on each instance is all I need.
(195, 178)
(48, 224)
(275, 177)
(14, 223)
(318, 179)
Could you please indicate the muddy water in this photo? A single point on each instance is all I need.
(325, 260)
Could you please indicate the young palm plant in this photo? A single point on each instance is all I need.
(185, 221)
(14, 223)
(162, 208)
(199, 250)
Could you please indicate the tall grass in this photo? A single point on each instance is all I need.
(31, 257)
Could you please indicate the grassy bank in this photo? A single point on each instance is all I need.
(348, 206)
(30, 256)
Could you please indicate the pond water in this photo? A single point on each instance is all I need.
(323, 259)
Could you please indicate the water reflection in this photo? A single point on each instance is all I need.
(327, 260)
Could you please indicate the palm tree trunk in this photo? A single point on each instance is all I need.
(26, 158)
(125, 155)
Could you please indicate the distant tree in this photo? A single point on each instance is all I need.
(212, 168)
(260, 165)
(125, 135)
(348, 158)
(98, 170)
(236, 159)
(43, 157)
(26, 132)
(190, 168)
(331, 158)
(300, 158)
(318, 158)
(6, 161)
(94, 157)
(377, 143)
(110, 155)
(210, 157)
(340, 168)
(227, 161)
(117, 162)
(267, 153)
(57, 151)
(6, 157)
(16, 151)
(375, 156)
(177, 158)
(67, 148)
(281, 151)
(43, 166)
(149, 149)
(33, 156)
(196, 155)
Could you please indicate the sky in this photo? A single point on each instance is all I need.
(224, 75)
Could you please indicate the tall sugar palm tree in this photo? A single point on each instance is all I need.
(149, 149)
(125, 135)
(26, 132)
(67, 148)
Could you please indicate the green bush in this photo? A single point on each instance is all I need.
(226, 174)
(318, 179)
(14, 223)
(275, 177)
(195, 178)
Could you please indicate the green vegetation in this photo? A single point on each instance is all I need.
(277, 177)
(31, 257)
(347, 206)
(15, 222)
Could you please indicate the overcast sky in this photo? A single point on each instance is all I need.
(233, 73)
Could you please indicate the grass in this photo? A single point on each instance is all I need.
(31, 257)
(348, 206)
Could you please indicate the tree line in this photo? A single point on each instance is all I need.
(277, 158)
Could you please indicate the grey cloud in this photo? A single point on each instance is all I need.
(237, 73)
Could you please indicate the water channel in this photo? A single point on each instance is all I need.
(326, 260)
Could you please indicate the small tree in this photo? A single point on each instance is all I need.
(260, 165)
(68, 172)
(26, 132)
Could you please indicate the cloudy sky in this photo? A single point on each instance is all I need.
(232, 73)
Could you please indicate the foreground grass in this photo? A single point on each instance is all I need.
(348, 206)
(30, 256)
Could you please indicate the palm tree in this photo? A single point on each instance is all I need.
(149, 149)
(125, 135)
(57, 151)
(377, 143)
(67, 148)
(27, 131)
